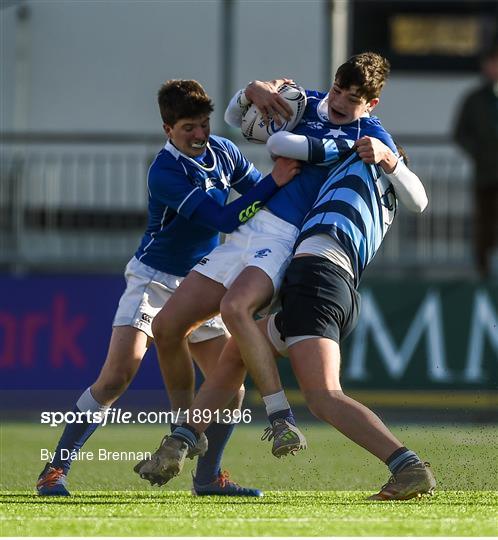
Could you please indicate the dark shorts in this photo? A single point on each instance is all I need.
(318, 299)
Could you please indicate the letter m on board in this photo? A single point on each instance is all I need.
(427, 320)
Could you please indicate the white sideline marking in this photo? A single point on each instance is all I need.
(296, 520)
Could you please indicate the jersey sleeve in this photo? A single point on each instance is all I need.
(310, 149)
(245, 175)
(408, 187)
(227, 218)
(373, 128)
(236, 109)
(172, 188)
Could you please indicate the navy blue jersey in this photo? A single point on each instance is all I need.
(330, 143)
(356, 206)
(177, 186)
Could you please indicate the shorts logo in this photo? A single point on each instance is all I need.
(147, 318)
(203, 261)
(262, 253)
(249, 211)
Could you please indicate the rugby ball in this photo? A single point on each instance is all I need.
(255, 130)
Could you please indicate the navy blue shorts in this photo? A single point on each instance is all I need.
(318, 299)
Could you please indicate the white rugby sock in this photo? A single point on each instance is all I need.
(276, 402)
(179, 416)
(87, 402)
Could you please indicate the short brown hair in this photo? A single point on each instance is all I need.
(368, 71)
(179, 98)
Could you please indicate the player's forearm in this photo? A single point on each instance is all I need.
(227, 218)
(289, 145)
(309, 149)
(408, 187)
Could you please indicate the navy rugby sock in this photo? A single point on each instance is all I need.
(400, 459)
(187, 434)
(77, 433)
(72, 439)
(285, 414)
(209, 465)
(277, 406)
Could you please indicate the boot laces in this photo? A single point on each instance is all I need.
(50, 479)
(272, 431)
(268, 434)
(224, 480)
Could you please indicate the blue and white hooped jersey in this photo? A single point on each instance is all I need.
(177, 185)
(292, 202)
(356, 206)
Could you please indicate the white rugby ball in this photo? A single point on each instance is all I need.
(255, 130)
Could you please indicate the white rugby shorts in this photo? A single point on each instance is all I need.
(147, 290)
(265, 241)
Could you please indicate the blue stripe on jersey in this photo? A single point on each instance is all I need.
(341, 215)
(349, 209)
(354, 183)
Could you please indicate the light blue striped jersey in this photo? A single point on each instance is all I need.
(329, 144)
(355, 206)
(177, 185)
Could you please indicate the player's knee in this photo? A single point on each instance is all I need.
(325, 407)
(165, 330)
(113, 386)
(234, 309)
(316, 409)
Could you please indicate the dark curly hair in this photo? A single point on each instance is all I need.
(368, 71)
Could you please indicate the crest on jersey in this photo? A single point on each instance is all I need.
(262, 253)
(214, 182)
(387, 200)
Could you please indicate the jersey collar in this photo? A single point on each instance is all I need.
(173, 150)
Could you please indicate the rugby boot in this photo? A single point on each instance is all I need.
(52, 482)
(413, 481)
(225, 487)
(165, 463)
(198, 450)
(287, 439)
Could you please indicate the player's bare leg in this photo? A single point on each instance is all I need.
(127, 348)
(207, 356)
(222, 386)
(252, 290)
(318, 378)
(195, 300)
(316, 364)
(179, 316)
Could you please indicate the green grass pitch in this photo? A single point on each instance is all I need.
(320, 492)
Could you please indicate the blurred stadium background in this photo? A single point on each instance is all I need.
(79, 126)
